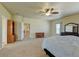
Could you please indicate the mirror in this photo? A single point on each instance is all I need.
(69, 28)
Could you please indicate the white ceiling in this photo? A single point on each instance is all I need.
(31, 9)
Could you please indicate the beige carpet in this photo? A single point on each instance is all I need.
(25, 48)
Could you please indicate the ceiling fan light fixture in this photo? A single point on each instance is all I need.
(48, 13)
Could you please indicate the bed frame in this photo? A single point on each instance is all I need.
(65, 33)
(49, 53)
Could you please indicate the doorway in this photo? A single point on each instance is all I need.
(10, 31)
(26, 30)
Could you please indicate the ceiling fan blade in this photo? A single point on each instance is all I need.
(52, 9)
(41, 12)
(55, 12)
(47, 9)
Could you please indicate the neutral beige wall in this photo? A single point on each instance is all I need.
(0, 32)
(19, 28)
(4, 31)
(53, 26)
(37, 25)
(4, 15)
(72, 18)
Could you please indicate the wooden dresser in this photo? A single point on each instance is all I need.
(39, 35)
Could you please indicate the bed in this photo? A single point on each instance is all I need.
(66, 45)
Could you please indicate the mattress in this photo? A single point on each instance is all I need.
(62, 46)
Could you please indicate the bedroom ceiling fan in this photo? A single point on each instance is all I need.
(49, 11)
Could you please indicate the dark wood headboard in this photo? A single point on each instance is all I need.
(74, 32)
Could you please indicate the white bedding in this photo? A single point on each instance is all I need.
(62, 46)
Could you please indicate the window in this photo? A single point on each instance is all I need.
(57, 28)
